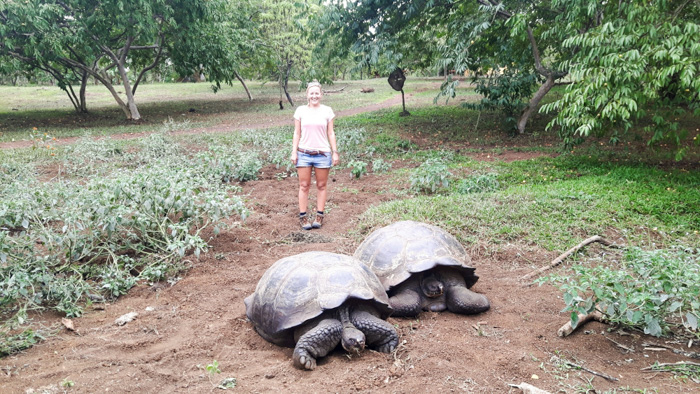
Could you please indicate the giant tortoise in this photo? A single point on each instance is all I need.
(422, 267)
(318, 299)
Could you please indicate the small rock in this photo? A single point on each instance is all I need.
(68, 324)
(126, 318)
(269, 375)
(149, 309)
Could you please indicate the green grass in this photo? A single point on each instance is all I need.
(556, 202)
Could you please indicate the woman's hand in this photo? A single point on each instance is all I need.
(293, 158)
(336, 158)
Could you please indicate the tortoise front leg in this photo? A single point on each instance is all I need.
(379, 334)
(317, 342)
(464, 301)
(458, 298)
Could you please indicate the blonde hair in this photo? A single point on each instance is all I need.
(313, 84)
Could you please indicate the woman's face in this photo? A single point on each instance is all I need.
(314, 95)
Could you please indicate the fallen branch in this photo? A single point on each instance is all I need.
(568, 328)
(621, 346)
(335, 91)
(602, 375)
(558, 260)
(678, 364)
(528, 388)
(674, 350)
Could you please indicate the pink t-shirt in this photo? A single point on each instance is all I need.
(314, 127)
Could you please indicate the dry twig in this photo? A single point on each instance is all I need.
(558, 260)
(694, 355)
(621, 346)
(680, 363)
(602, 375)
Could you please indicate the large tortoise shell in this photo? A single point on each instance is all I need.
(397, 251)
(298, 288)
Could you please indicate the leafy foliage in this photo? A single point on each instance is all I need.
(86, 239)
(477, 184)
(358, 168)
(641, 60)
(651, 290)
(508, 92)
(430, 176)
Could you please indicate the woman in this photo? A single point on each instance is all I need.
(313, 147)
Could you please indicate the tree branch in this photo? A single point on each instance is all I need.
(146, 69)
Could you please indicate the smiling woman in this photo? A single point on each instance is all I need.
(313, 147)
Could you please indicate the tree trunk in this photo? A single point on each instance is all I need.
(286, 81)
(132, 113)
(83, 86)
(534, 102)
(250, 98)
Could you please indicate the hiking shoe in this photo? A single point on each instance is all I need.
(304, 222)
(318, 222)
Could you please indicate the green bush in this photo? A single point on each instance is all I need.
(477, 184)
(358, 168)
(656, 291)
(379, 165)
(432, 175)
(61, 244)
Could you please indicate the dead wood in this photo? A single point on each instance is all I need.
(621, 346)
(528, 388)
(558, 260)
(567, 328)
(655, 366)
(682, 352)
(335, 91)
(602, 375)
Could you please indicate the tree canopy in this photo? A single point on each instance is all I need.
(117, 42)
(623, 58)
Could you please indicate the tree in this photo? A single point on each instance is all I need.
(638, 59)
(283, 28)
(524, 47)
(76, 39)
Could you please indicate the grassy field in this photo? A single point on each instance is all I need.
(93, 218)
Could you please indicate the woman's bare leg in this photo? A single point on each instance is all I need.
(304, 174)
(321, 181)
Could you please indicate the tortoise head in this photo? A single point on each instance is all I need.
(353, 340)
(431, 286)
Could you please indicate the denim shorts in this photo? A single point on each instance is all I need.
(317, 161)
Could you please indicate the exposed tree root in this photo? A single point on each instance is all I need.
(567, 328)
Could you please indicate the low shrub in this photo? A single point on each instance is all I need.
(655, 291)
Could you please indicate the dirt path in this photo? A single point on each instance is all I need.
(224, 127)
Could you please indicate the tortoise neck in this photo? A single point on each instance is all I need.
(344, 316)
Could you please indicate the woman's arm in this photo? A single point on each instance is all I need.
(295, 141)
(334, 146)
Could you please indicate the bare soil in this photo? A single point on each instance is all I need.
(183, 327)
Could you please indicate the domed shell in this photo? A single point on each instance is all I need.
(298, 288)
(396, 251)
